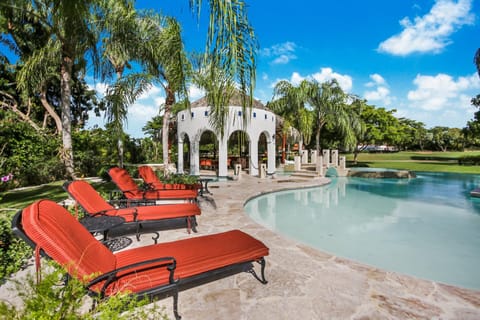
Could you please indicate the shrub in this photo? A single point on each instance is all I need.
(55, 298)
(469, 160)
(13, 251)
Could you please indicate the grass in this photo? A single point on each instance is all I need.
(19, 198)
(416, 161)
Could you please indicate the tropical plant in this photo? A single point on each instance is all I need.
(329, 107)
(66, 37)
(54, 298)
(290, 102)
(170, 68)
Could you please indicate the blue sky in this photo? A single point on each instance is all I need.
(412, 56)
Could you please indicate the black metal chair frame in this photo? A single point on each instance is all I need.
(172, 288)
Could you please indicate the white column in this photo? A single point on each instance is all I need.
(298, 163)
(335, 158)
(304, 156)
(195, 158)
(253, 161)
(271, 169)
(326, 157)
(180, 156)
(222, 157)
(319, 166)
(342, 163)
(313, 156)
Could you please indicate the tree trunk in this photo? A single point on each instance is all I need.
(11, 104)
(355, 155)
(65, 83)
(121, 150)
(50, 109)
(169, 101)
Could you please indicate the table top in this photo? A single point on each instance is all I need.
(101, 223)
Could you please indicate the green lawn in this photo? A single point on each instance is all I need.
(416, 161)
(20, 198)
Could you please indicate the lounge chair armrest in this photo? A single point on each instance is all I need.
(168, 262)
(105, 212)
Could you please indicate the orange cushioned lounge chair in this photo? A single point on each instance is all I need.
(133, 193)
(157, 270)
(166, 216)
(153, 182)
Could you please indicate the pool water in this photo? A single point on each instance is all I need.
(428, 227)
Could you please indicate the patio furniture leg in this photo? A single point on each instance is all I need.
(155, 238)
(175, 305)
(262, 272)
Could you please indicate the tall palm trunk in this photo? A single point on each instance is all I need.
(121, 150)
(169, 101)
(65, 83)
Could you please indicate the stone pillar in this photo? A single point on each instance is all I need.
(304, 156)
(263, 171)
(335, 158)
(298, 164)
(319, 166)
(271, 169)
(313, 156)
(326, 157)
(195, 158)
(222, 158)
(238, 171)
(180, 156)
(342, 163)
(253, 161)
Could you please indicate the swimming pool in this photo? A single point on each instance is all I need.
(428, 227)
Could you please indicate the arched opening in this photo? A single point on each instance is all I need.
(208, 147)
(238, 149)
(262, 149)
(186, 152)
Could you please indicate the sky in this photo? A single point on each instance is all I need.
(413, 56)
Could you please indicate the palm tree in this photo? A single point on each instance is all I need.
(169, 67)
(121, 33)
(290, 102)
(219, 91)
(69, 39)
(329, 107)
(230, 54)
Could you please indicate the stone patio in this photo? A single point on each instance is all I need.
(304, 283)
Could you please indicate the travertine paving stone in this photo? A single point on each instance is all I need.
(304, 283)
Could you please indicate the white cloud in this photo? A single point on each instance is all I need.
(296, 78)
(282, 53)
(381, 94)
(431, 32)
(380, 91)
(376, 80)
(152, 91)
(442, 91)
(195, 93)
(325, 74)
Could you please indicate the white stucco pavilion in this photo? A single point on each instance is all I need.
(194, 122)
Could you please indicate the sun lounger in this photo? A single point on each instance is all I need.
(157, 270)
(133, 193)
(166, 216)
(153, 182)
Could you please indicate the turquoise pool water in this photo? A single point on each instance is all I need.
(428, 227)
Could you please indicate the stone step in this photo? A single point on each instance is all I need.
(305, 174)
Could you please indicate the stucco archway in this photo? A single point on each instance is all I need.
(194, 122)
